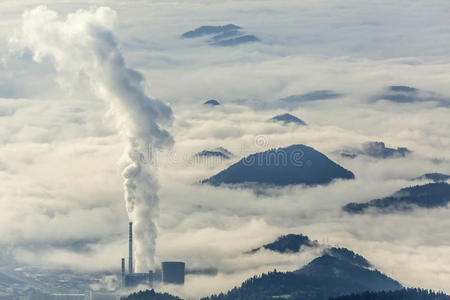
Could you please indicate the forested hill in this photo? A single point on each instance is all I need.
(324, 277)
(406, 294)
(403, 294)
(296, 164)
(150, 295)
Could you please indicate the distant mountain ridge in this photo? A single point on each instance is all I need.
(235, 41)
(229, 35)
(405, 94)
(376, 150)
(296, 164)
(435, 177)
(424, 196)
(208, 30)
(290, 243)
(287, 119)
(219, 152)
(212, 102)
(294, 101)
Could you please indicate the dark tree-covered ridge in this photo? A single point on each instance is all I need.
(405, 294)
(150, 295)
(324, 277)
(425, 196)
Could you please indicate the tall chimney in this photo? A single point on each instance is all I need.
(123, 272)
(130, 254)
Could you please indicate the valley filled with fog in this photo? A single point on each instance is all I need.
(340, 68)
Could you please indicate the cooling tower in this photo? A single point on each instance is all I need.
(173, 272)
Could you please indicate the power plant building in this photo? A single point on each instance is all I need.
(136, 279)
(172, 272)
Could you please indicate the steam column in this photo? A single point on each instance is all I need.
(130, 254)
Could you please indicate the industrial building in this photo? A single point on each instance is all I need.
(172, 272)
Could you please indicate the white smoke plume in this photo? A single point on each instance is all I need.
(83, 46)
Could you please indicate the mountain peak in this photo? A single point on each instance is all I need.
(287, 119)
(295, 164)
(348, 256)
(333, 267)
(212, 102)
(218, 152)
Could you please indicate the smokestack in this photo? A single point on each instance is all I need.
(123, 272)
(130, 253)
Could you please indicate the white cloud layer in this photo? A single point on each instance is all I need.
(59, 184)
